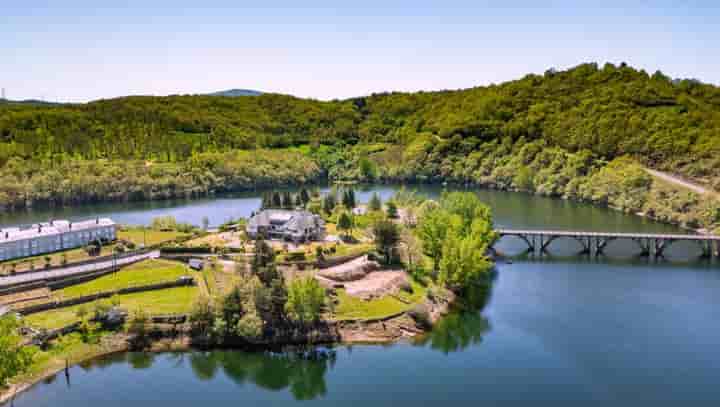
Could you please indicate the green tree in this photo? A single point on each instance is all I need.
(305, 299)
(202, 317)
(368, 170)
(267, 200)
(287, 201)
(263, 256)
(250, 326)
(304, 196)
(14, 357)
(386, 235)
(329, 203)
(433, 229)
(464, 261)
(276, 200)
(392, 211)
(164, 223)
(344, 223)
(467, 206)
(348, 199)
(375, 203)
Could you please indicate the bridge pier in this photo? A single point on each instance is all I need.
(707, 249)
(545, 243)
(595, 243)
(644, 246)
(600, 245)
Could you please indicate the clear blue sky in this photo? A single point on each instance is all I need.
(79, 50)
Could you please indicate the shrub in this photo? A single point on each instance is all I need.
(295, 256)
(305, 299)
(421, 316)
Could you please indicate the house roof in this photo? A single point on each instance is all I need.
(51, 228)
(292, 220)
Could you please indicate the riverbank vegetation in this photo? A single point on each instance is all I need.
(550, 134)
(255, 301)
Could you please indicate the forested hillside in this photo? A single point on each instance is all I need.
(571, 122)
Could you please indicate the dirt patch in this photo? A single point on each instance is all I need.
(25, 297)
(394, 329)
(377, 284)
(350, 271)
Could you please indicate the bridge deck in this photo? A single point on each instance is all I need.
(571, 233)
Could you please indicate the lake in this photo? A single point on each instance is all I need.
(559, 330)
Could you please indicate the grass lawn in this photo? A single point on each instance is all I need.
(171, 301)
(355, 308)
(143, 273)
(72, 256)
(148, 237)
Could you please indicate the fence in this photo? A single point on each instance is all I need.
(93, 260)
(33, 309)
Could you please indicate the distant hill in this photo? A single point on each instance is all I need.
(29, 102)
(237, 92)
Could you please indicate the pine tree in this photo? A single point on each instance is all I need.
(348, 198)
(392, 211)
(304, 196)
(375, 203)
(287, 202)
(276, 200)
(344, 223)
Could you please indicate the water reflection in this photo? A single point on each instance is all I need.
(462, 328)
(302, 373)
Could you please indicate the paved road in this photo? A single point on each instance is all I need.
(679, 181)
(73, 270)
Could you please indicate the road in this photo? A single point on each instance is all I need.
(681, 182)
(74, 270)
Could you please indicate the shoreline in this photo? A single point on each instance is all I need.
(408, 183)
(392, 329)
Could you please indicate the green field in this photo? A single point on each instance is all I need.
(170, 301)
(148, 237)
(143, 273)
(355, 308)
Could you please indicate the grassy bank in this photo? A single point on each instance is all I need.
(159, 302)
(144, 273)
(353, 308)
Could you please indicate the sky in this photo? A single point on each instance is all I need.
(78, 50)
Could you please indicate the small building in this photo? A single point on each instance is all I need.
(296, 226)
(196, 264)
(53, 236)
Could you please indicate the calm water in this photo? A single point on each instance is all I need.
(562, 330)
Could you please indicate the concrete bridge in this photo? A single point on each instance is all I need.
(594, 243)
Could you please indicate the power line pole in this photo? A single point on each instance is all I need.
(3, 93)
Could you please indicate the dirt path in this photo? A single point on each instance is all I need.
(681, 182)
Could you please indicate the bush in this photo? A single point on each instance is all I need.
(305, 299)
(421, 316)
(295, 256)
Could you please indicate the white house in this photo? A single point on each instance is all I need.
(53, 236)
(296, 226)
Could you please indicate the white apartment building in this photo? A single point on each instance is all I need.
(53, 236)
